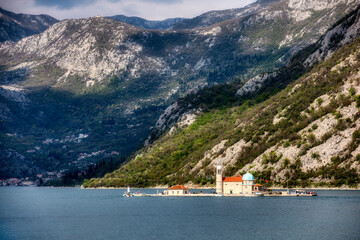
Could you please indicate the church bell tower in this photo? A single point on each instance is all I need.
(219, 180)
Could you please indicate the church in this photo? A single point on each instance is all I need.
(238, 185)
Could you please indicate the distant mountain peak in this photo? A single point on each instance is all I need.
(14, 26)
(147, 24)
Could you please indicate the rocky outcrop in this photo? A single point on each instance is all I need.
(255, 83)
(339, 36)
(335, 38)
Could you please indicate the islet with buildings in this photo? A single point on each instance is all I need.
(236, 186)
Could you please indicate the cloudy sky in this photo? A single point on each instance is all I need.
(149, 9)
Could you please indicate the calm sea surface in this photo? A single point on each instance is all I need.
(74, 213)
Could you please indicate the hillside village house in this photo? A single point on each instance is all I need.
(177, 190)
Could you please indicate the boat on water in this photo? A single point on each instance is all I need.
(128, 193)
(305, 193)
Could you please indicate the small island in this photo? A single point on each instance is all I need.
(236, 186)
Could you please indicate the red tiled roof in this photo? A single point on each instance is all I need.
(233, 179)
(178, 187)
(258, 185)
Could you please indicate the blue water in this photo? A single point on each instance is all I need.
(73, 213)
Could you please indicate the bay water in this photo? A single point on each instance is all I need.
(74, 213)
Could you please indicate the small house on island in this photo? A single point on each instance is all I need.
(177, 190)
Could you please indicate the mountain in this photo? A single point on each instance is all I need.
(306, 134)
(14, 27)
(147, 24)
(87, 89)
(213, 17)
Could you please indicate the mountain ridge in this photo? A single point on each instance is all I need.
(110, 81)
(147, 24)
(14, 27)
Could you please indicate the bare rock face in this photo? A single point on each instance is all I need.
(74, 47)
(316, 4)
(335, 38)
(255, 83)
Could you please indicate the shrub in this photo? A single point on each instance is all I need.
(355, 140)
(315, 155)
(357, 99)
(344, 100)
(314, 126)
(286, 162)
(319, 101)
(297, 164)
(272, 157)
(311, 138)
(337, 115)
(341, 125)
(286, 144)
(352, 91)
(336, 160)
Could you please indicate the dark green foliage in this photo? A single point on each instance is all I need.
(357, 99)
(355, 140)
(75, 177)
(314, 126)
(352, 91)
(286, 162)
(315, 155)
(272, 158)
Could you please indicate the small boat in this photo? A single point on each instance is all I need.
(305, 193)
(259, 194)
(128, 193)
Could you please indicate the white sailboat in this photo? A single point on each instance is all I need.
(128, 193)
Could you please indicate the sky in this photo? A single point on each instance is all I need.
(148, 9)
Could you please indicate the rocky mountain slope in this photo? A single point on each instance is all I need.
(91, 88)
(307, 134)
(212, 17)
(14, 27)
(147, 24)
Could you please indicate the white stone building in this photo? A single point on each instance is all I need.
(238, 185)
(177, 190)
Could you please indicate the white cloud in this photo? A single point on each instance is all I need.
(149, 9)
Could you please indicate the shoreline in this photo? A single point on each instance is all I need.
(276, 189)
(208, 188)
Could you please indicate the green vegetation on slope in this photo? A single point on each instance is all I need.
(172, 157)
